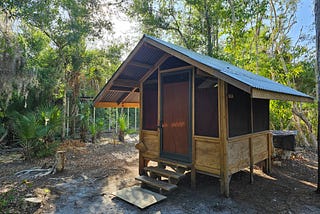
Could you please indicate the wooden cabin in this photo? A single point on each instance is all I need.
(196, 112)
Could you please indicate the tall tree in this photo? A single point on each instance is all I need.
(68, 24)
(15, 76)
(317, 22)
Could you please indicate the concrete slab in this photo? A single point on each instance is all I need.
(139, 197)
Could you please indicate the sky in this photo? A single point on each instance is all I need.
(305, 18)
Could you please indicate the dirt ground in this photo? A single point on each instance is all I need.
(94, 171)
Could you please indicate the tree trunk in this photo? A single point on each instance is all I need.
(74, 85)
(60, 160)
(300, 131)
(303, 117)
(317, 22)
(209, 30)
(64, 113)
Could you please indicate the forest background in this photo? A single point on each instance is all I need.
(56, 55)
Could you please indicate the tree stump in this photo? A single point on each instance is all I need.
(60, 160)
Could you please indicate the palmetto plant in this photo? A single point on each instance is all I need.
(122, 126)
(95, 129)
(36, 130)
(50, 117)
(29, 131)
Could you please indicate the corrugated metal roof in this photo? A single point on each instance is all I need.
(244, 76)
(150, 50)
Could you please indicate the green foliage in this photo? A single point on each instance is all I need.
(50, 117)
(131, 131)
(49, 41)
(95, 129)
(122, 121)
(36, 131)
(85, 112)
(280, 115)
(99, 65)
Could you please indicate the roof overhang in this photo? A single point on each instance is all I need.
(270, 95)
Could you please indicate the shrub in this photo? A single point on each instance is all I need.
(36, 131)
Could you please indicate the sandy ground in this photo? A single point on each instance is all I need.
(94, 171)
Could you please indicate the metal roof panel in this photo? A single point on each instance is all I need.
(244, 76)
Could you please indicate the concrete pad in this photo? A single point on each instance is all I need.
(139, 197)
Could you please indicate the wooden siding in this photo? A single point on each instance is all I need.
(239, 150)
(152, 143)
(238, 153)
(207, 155)
(260, 148)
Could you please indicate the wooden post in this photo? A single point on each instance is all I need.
(193, 147)
(60, 160)
(251, 159)
(269, 152)
(159, 130)
(141, 158)
(223, 135)
(250, 142)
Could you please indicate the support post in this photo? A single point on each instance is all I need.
(251, 159)
(250, 141)
(193, 147)
(269, 153)
(142, 163)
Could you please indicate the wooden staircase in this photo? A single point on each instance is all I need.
(159, 177)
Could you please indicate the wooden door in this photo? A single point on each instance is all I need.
(175, 116)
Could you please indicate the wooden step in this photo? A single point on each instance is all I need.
(164, 172)
(173, 163)
(156, 183)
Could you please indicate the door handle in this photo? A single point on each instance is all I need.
(160, 125)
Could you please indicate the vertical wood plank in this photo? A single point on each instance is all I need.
(269, 152)
(193, 147)
(251, 159)
(159, 110)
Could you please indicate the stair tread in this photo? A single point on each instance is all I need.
(164, 172)
(156, 183)
(172, 162)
